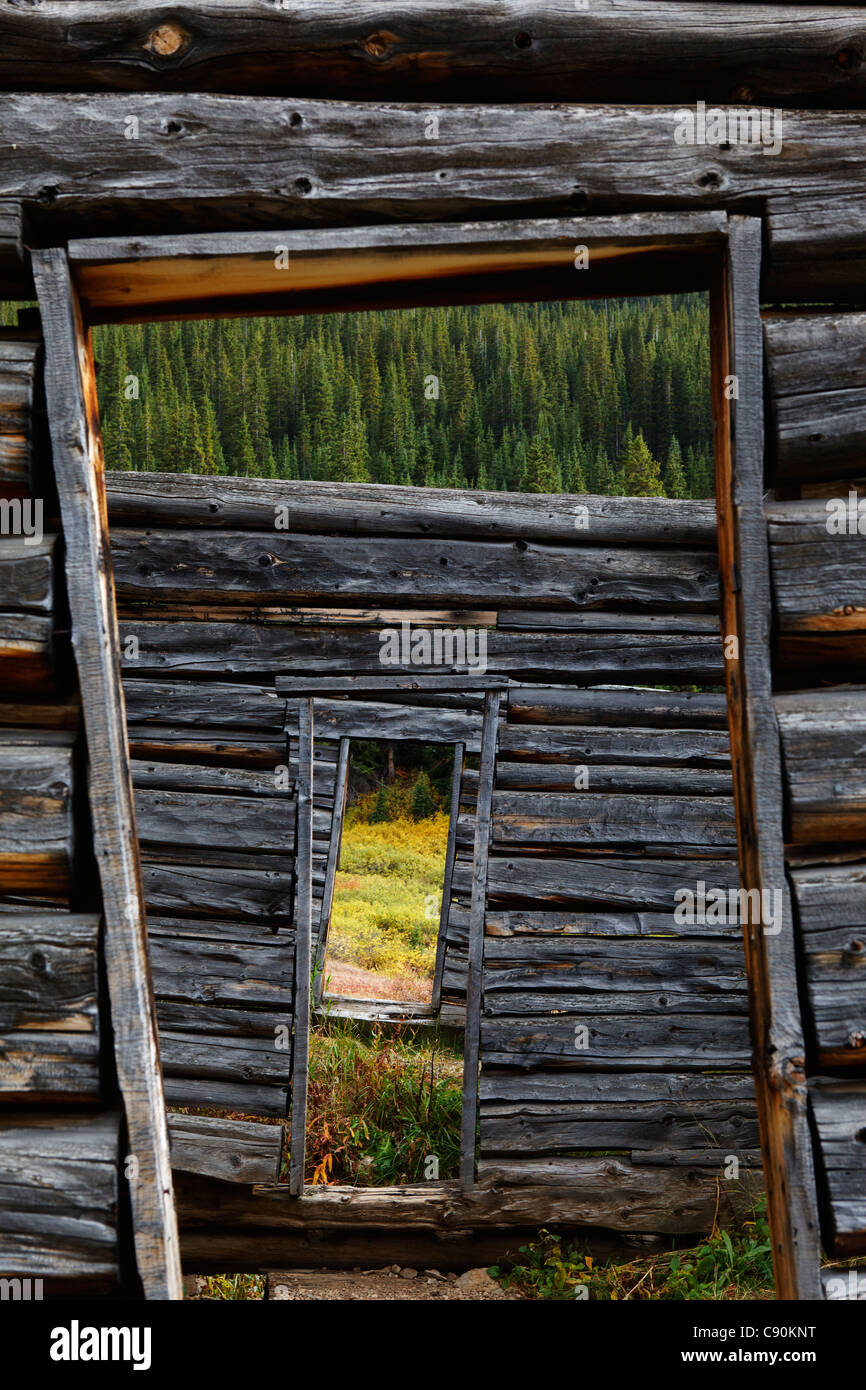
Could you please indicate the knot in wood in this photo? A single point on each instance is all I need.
(377, 45)
(166, 40)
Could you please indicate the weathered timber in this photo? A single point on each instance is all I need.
(48, 972)
(236, 747)
(633, 746)
(179, 818)
(686, 1089)
(204, 704)
(616, 882)
(371, 720)
(817, 371)
(17, 374)
(58, 1198)
(819, 570)
(178, 1017)
(26, 653)
(208, 972)
(323, 920)
(670, 52)
(613, 706)
(303, 958)
(212, 891)
(716, 1127)
(253, 1060)
(475, 958)
(200, 566)
(27, 572)
(379, 509)
(604, 620)
(839, 1111)
(653, 822)
(36, 823)
(445, 906)
(673, 780)
(231, 1150)
(822, 740)
(776, 1025)
(501, 923)
(203, 648)
(241, 783)
(70, 389)
(38, 1065)
(237, 1097)
(682, 1042)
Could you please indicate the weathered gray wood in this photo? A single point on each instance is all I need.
(203, 648)
(26, 654)
(682, 1042)
(605, 620)
(448, 875)
(616, 705)
(27, 573)
(600, 777)
(822, 740)
(231, 1150)
(615, 882)
(17, 374)
(839, 1110)
(178, 818)
(817, 371)
(303, 953)
(372, 720)
(237, 747)
(501, 923)
(212, 891)
(633, 746)
(58, 1197)
(49, 972)
(475, 962)
(678, 1088)
(819, 574)
(41, 1065)
(461, 689)
(178, 1017)
(253, 1098)
(36, 823)
(671, 52)
(199, 777)
(652, 822)
(199, 566)
(341, 786)
(379, 509)
(74, 425)
(204, 704)
(252, 1060)
(208, 972)
(715, 1127)
(747, 614)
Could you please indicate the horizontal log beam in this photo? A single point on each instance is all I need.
(231, 1150)
(822, 734)
(816, 366)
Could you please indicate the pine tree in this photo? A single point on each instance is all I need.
(641, 474)
(422, 804)
(381, 811)
(674, 477)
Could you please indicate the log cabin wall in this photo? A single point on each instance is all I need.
(367, 159)
(584, 864)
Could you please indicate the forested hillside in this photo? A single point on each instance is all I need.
(607, 397)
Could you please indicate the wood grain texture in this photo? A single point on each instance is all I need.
(48, 972)
(231, 1150)
(303, 949)
(74, 426)
(823, 733)
(839, 1110)
(816, 365)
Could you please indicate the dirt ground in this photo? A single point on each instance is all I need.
(353, 981)
(392, 1284)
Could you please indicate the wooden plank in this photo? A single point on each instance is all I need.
(604, 620)
(208, 972)
(612, 881)
(181, 1017)
(74, 424)
(17, 376)
(256, 651)
(380, 509)
(253, 1099)
(346, 719)
(779, 1050)
(38, 1065)
(612, 1043)
(303, 954)
(461, 688)
(600, 777)
(614, 706)
(716, 1128)
(839, 1110)
(819, 574)
(49, 972)
(630, 747)
(26, 653)
(251, 1060)
(181, 818)
(817, 371)
(241, 748)
(822, 739)
(27, 570)
(201, 566)
(58, 1197)
(656, 823)
(448, 874)
(608, 1089)
(36, 821)
(478, 906)
(242, 783)
(214, 891)
(204, 704)
(831, 909)
(341, 786)
(501, 923)
(669, 52)
(231, 1150)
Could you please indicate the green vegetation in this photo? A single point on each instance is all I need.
(380, 1105)
(609, 397)
(735, 1264)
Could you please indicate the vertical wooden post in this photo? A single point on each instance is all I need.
(341, 785)
(73, 417)
(471, 1043)
(450, 853)
(777, 1033)
(303, 951)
